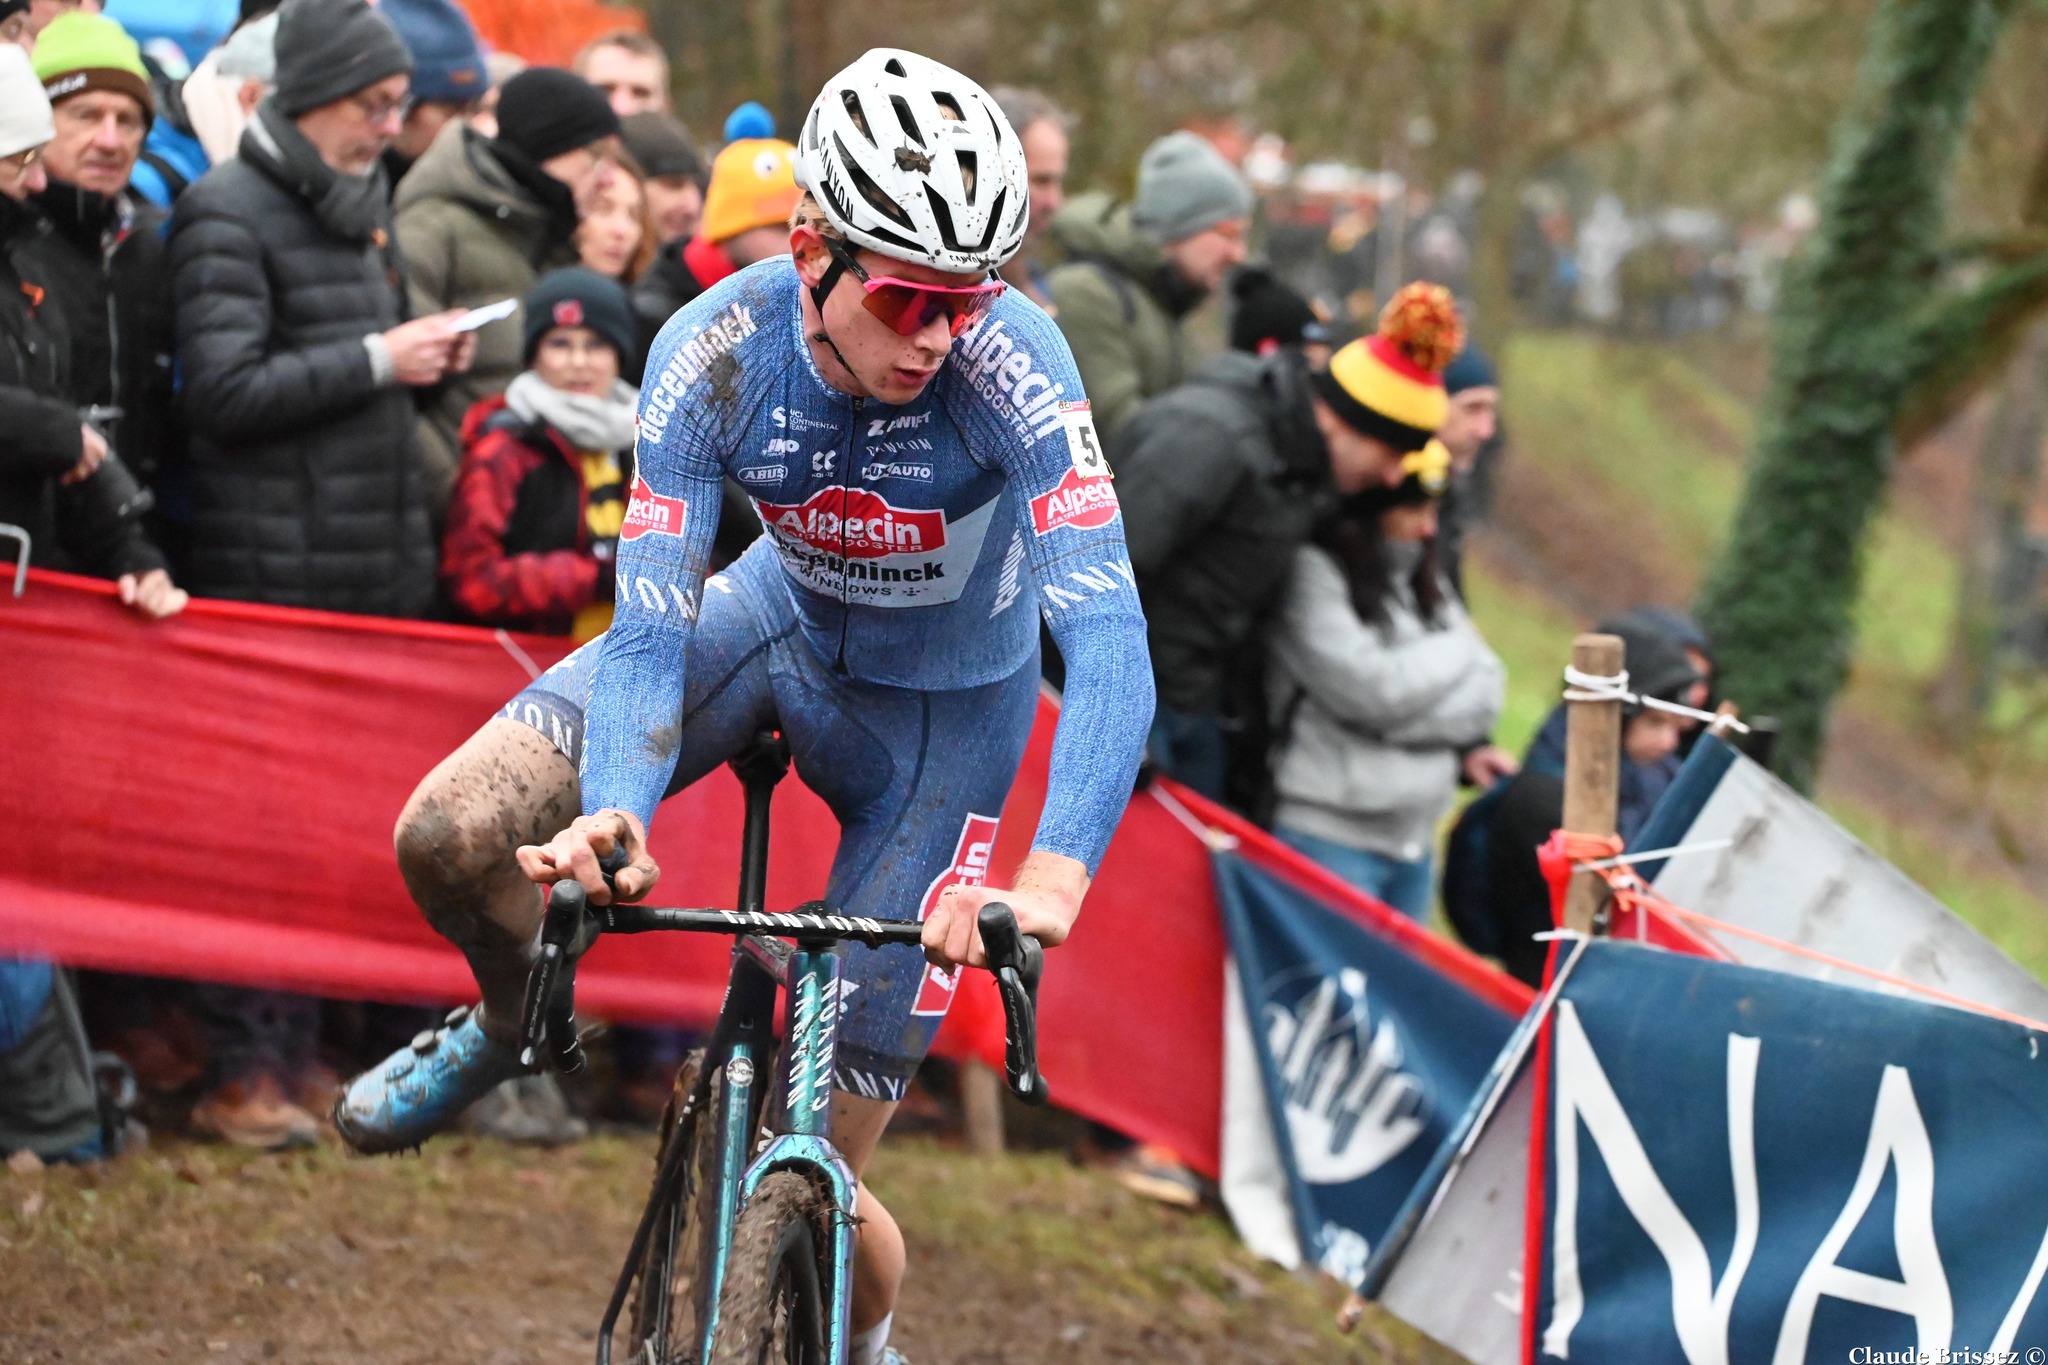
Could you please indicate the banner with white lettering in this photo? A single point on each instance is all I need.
(1352, 1057)
(1745, 1166)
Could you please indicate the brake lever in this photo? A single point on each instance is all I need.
(1017, 961)
(548, 1013)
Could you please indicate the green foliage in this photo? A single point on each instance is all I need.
(1781, 601)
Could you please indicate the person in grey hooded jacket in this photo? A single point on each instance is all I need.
(1379, 684)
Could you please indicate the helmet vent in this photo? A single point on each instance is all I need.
(902, 107)
(970, 168)
(943, 216)
(856, 113)
(949, 106)
(876, 196)
(894, 66)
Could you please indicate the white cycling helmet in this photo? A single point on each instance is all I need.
(914, 160)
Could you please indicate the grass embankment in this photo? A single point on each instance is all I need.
(1648, 444)
(483, 1253)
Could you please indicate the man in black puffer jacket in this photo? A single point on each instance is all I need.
(298, 362)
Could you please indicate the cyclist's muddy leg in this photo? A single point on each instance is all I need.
(506, 786)
(878, 1258)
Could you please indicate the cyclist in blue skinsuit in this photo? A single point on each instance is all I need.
(918, 493)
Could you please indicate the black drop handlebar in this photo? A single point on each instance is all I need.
(548, 1018)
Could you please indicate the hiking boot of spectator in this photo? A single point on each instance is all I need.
(423, 1087)
(255, 1113)
(530, 1110)
(1157, 1173)
(315, 1090)
(160, 1065)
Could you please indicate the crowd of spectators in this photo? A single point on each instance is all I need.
(352, 317)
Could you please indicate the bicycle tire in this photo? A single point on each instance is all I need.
(668, 1304)
(772, 1310)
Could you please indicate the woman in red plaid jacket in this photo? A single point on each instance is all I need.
(533, 525)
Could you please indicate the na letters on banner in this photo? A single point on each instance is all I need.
(1768, 1168)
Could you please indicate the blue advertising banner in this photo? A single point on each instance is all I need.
(1745, 1166)
(1366, 1056)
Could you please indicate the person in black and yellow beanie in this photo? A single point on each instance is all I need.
(1220, 482)
(1387, 390)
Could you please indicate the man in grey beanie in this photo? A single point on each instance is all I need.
(1134, 270)
(300, 361)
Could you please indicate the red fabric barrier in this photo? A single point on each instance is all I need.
(213, 796)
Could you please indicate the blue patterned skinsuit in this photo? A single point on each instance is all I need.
(887, 621)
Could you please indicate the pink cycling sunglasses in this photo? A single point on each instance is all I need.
(907, 307)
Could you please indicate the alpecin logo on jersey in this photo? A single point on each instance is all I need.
(648, 513)
(968, 868)
(1075, 501)
(1009, 378)
(854, 523)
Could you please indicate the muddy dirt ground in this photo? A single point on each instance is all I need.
(479, 1252)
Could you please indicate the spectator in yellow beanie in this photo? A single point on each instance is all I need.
(746, 219)
(1390, 386)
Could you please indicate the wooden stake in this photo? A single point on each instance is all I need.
(1592, 772)
(981, 1107)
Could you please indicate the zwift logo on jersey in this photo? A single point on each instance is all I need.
(648, 513)
(688, 362)
(1007, 376)
(968, 868)
(856, 524)
(1075, 501)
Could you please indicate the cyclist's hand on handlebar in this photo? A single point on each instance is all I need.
(1045, 894)
(576, 850)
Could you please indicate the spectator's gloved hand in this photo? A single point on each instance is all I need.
(422, 350)
(94, 454)
(152, 594)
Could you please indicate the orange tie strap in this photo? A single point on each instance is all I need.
(1579, 852)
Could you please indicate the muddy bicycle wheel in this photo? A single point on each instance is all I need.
(669, 1304)
(772, 1310)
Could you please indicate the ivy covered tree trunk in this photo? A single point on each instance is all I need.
(1849, 344)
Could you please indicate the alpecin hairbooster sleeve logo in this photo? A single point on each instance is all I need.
(856, 523)
(1083, 497)
(1075, 501)
(648, 513)
(968, 868)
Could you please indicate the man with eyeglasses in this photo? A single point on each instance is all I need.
(299, 365)
(918, 446)
(1134, 271)
(481, 219)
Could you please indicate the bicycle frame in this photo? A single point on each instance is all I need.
(808, 979)
(797, 1123)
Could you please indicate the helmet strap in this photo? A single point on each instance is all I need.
(821, 291)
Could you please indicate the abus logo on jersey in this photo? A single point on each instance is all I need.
(1075, 501)
(648, 513)
(968, 868)
(856, 524)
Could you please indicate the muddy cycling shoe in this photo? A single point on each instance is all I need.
(424, 1087)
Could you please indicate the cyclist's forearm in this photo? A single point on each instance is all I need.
(1053, 876)
(1104, 718)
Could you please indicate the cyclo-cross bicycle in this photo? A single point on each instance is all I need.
(744, 1252)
